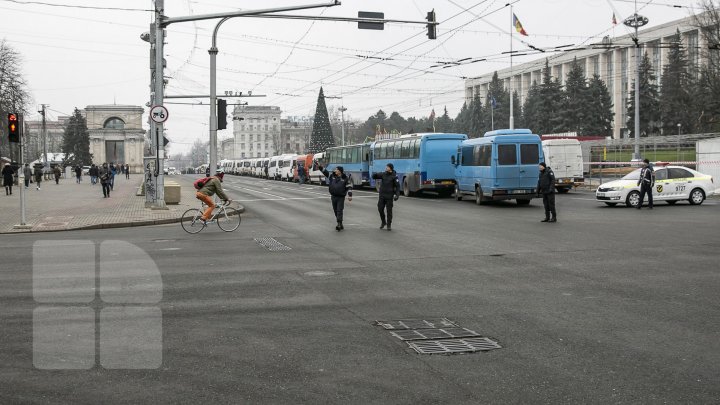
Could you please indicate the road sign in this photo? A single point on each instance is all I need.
(371, 25)
(159, 114)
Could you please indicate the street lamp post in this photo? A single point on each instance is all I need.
(636, 21)
(342, 123)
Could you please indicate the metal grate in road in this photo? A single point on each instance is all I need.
(272, 244)
(417, 323)
(449, 346)
(428, 334)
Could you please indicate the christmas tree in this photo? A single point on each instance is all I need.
(322, 137)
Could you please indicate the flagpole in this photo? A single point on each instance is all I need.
(512, 26)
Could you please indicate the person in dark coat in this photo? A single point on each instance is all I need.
(38, 176)
(27, 173)
(78, 174)
(388, 193)
(57, 172)
(8, 175)
(127, 171)
(339, 186)
(104, 174)
(546, 187)
(646, 183)
(93, 172)
(301, 174)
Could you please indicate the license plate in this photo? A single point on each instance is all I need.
(446, 182)
(601, 194)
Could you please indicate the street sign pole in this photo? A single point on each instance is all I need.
(153, 174)
(21, 176)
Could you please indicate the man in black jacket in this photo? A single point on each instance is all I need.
(546, 187)
(389, 192)
(646, 183)
(339, 186)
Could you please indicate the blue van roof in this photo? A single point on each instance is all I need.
(508, 132)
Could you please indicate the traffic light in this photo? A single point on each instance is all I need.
(13, 128)
(221, 114)
(432, 25)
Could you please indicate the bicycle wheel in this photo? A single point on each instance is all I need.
(191, 222)
(229, 219)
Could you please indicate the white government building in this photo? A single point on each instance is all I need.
(616, 66)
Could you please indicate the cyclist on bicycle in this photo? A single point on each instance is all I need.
(211, 187)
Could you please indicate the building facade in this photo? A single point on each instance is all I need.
(613, 61)
(33, 137)
(256, 133)
(116, 135)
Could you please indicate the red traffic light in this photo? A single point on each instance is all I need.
(13, 128)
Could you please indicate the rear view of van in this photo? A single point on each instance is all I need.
(564, 157)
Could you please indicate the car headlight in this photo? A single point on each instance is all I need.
(616, 188)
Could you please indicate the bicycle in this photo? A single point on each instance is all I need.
(227, 218)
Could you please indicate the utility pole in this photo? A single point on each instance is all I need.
(636, 21)
(154, 181)
(44, 138)
(342, 122)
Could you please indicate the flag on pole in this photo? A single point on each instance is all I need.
(432, 115)
(614, 20)
(518, 26)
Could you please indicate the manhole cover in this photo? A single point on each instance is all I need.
(448, 346)
(427, 334)
(272, 244)
(319, 273)
(417, 323)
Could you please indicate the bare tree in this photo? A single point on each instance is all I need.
(14, 95)
(198, 153)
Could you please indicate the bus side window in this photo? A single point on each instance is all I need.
(416, 155)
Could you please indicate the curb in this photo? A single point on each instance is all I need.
(150, 222)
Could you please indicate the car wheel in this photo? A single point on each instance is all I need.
(406, 188)
(610, 204)
(697, 196)
(458, 194)
(672, 202)
(633, 199)
(478, 196)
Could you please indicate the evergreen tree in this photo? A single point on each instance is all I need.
(649, 104)
(707, 102)
(517, 111)
(444, 123)
(477, 122)
(599, 113)
(374, 124)
(462, 121)
(676, 102)
(531, 107)
(76, 141)
(396, 123)
(500, 115)
(549, 117)
(574, 104)
(321, 137)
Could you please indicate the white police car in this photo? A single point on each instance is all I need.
(672, 184)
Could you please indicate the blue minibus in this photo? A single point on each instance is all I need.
(502, 165)
(422, 161)
(353, 159)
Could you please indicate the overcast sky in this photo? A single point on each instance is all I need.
(74, 57)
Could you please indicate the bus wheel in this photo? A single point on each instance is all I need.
(406, 188)
(458, 194)
(478, 196)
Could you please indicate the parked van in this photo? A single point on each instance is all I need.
(289, 162)
(274, 167)
(260, 169)
(565, 158)
(502, 165)
(315, 174)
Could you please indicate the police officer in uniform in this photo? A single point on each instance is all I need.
(646, 183)
(546, 187)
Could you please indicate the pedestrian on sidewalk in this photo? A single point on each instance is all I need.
(127, 171)
(8, 178)
(93, 172)
(301, 174)
(388, 193)
(113, 171)
(546, 187)
(104, 174)
(27, 173)
(646, 183)
(38, 176)
(78, 174)
(57, 172)
(339, 185)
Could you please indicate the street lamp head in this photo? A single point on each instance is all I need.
(145, 36)
(636, 21)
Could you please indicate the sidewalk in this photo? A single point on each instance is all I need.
(81, 206)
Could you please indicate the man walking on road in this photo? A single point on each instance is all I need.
(339, 185)
(388, 193)
(646, 183)
(38, 176)
(127, 171)
(57, 172)
(78, 174)
(93, 172)
(546, 187)
(104, 174)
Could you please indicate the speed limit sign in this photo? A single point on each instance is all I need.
(159, 114)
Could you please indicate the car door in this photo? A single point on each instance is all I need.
(679, 178)
(662, 189)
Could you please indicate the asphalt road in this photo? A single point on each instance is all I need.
(609, 305)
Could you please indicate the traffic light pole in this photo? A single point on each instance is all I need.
(21, 177)
(154, 181)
